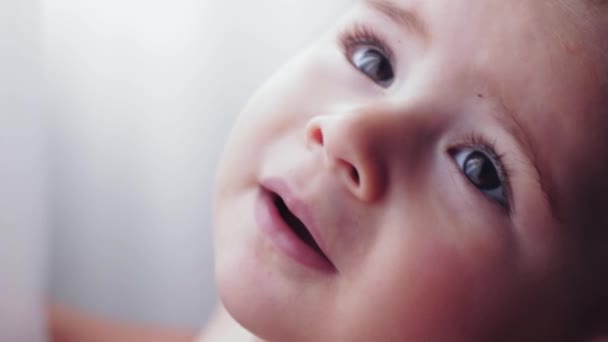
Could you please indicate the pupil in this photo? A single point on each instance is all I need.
(376, 65)
(481, 171)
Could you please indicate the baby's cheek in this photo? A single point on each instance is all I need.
(417, 286)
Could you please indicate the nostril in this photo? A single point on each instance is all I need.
(317, 135)
(354, 175)
(350, 173)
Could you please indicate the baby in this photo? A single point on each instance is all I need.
(427, 171)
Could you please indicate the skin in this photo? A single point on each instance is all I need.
(421, 254)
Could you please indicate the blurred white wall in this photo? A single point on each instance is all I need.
(141, 95)
(23, 214)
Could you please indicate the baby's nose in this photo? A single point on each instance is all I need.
(349, 145)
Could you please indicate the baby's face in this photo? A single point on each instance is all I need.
(439, 153)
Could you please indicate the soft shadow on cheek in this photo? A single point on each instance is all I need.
(427, 283)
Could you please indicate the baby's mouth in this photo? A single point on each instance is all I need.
(296, 225)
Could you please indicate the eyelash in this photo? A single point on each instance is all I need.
(477, 141)
(360, 34)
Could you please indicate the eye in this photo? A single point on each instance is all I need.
(369, 53)
(484, 171)
(373, 63)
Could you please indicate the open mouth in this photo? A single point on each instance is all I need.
(297, 226)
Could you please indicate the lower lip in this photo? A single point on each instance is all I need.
(281, 235)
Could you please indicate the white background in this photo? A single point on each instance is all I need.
(23, 213)
(112, 120)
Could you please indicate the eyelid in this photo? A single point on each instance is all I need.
(357, 34)
(481, 143)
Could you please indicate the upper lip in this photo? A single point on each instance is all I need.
(299, 209)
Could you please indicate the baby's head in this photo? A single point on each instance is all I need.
(427, 171)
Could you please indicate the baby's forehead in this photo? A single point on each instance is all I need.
(560, 18)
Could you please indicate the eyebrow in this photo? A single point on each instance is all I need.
(403, 17)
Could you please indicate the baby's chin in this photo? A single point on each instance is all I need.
(241, 287)
(252, 311)
(256, 295)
